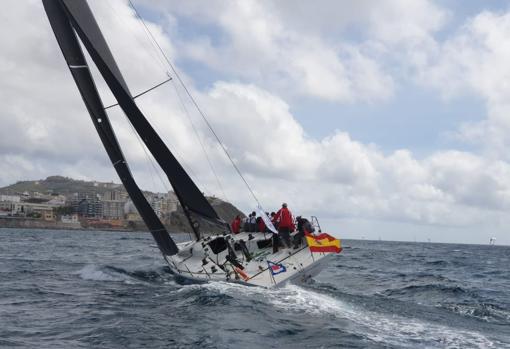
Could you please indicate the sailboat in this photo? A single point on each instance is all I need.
(247, 258)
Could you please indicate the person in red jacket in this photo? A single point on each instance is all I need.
(261, 226)
(285, 224)
(236, 225)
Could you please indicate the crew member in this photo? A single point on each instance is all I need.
(246, 224)
(273, 220)
(253, 222)
(236, 225)
(303, 226)
(261, 226)
(285, 224)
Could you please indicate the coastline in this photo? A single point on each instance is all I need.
(30, 223)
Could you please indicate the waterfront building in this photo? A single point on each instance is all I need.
(130, 212)
(113, 209)
(43, 210)
(10, 198)
(87, 204)
(57, 200)
(90, 208)
(113, 202)
(70, 219)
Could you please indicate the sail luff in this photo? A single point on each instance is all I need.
(77, 63)
(187, 192)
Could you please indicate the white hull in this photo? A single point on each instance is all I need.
(300, 264)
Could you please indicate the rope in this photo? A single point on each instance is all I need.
(183, 106)
(157, 57)
(135, 34)
(194, 102)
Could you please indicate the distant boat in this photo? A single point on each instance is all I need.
(492, 241)
(246, 257)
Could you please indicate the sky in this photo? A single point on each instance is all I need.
(386, 119)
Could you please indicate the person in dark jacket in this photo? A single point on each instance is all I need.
(246, 224)
(276, 239)
(253, 222)
(273, 220)
(303, 226)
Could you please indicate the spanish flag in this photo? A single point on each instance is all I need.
(323, 243)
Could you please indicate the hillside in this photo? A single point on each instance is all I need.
(227, 211)
(59, 185)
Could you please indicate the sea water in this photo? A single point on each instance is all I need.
(61, 289)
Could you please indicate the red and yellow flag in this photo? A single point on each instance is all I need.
(323, 243)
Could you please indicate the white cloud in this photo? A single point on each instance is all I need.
(257, 41)
(342, 177)
(474, 62)
(45, 128)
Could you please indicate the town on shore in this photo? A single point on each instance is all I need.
(63, 203)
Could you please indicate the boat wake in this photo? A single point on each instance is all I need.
(381, 328)
(104, 299)
(292, 300)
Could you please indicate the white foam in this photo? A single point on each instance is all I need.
(394, 329)
(377, 327)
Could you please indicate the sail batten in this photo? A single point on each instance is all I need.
(73, 54)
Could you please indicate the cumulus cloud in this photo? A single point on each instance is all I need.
(264, 43)
(474, 63)
(347, 178)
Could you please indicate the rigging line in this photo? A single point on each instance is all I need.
(180, 160)
(194, 102)
(153, 164)
(183, 106)
(151, 50)
(154, 54)
(147, 158)
(157, 48)
(158, 59)
(144, 92)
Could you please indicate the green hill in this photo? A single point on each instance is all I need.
(59, 185)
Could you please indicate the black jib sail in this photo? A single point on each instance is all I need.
(81, 19)
(75, 59)
(189, 195)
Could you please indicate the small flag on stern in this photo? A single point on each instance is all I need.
(276, 268)
(323, 243)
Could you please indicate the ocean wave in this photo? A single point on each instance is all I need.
(427, 289)
(378, 327)
(375, 295)
(389, 329)
(437, 263)
(484, 311)
(95, 272)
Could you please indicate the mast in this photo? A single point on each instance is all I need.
(68, 42)
(191, 198)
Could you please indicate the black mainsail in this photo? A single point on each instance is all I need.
(71, 17)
